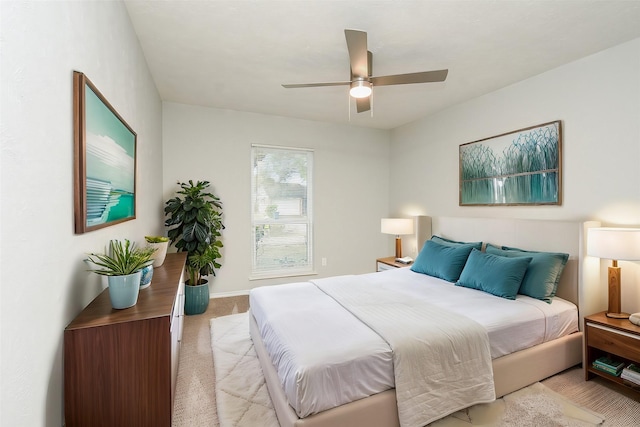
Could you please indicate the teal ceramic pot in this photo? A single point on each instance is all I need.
(145, 278)
(196, 298)
(123, 290)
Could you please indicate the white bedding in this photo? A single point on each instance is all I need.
(295, 321)
(354, 362)
(512, 325)
(441, 360)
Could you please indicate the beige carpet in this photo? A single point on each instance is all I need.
(195, 400)
(195, 404)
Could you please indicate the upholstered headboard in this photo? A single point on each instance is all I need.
(568, 287)
(581, 275)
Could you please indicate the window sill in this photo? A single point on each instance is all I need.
(277, 275)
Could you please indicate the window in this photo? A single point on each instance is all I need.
(281, 211)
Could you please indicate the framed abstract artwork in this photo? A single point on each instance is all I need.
(523, 167)
(104, 160)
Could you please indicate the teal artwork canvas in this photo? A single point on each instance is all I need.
(516, 168)
(105, 161)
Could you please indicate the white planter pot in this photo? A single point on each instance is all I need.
(160, 253)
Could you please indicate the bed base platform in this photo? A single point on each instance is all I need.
(511, 372)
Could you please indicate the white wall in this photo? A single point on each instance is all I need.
(44, 282)
(598, 100)
(351, 175)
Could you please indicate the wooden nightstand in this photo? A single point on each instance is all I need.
(606, 336)
(388, 263)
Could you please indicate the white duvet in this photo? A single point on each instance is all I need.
(441, 360)
(325, 357)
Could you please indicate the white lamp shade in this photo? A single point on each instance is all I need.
(614, 243)
(396, 226)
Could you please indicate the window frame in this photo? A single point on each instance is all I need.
(309, 268)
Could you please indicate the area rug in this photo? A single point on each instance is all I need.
(533, 406)
(243, 400)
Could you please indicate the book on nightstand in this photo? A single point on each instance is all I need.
(608, 365)
(632, 374)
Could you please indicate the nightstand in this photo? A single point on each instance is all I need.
(389, 263)
(606, 336)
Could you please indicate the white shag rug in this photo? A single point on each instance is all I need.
(533, 406)
(241, 392)
(243, 400)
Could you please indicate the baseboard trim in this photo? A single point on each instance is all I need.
(229, 294)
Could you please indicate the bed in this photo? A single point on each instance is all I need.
(376, 402)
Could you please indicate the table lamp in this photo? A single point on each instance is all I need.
(616, 244)
(397, 226)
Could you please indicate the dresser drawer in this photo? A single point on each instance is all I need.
(613, 341)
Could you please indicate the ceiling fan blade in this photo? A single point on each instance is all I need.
(369, 65)
(363, 104)
(358, 58)
(401, 79)
(292, 86)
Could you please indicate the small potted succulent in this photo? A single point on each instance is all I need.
(123, 270)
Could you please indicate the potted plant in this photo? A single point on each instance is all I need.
(195, 216)
(123, 270)
(160, 244)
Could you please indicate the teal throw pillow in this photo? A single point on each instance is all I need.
(445, 262)
(497, 275)
(543, 275)
(448, 242)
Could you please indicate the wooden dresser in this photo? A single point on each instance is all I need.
(120, 366)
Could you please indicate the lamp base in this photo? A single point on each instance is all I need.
(398, 247)
(614, 310)
(618, 315)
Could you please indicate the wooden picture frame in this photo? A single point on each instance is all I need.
(523, 167)
(104, 160)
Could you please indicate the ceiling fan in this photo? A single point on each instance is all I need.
(362, 81)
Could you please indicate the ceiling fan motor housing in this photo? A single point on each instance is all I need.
(360, 88)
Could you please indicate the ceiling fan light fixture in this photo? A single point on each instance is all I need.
(360, 88)
(362, 80)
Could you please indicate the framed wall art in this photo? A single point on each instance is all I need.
(523, 167)
(104, 158)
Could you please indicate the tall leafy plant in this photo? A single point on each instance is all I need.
(195, 218)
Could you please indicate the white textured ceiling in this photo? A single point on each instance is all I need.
(236, 54)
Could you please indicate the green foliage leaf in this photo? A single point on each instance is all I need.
(124, 259)
(196, 225)
(156, 239)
